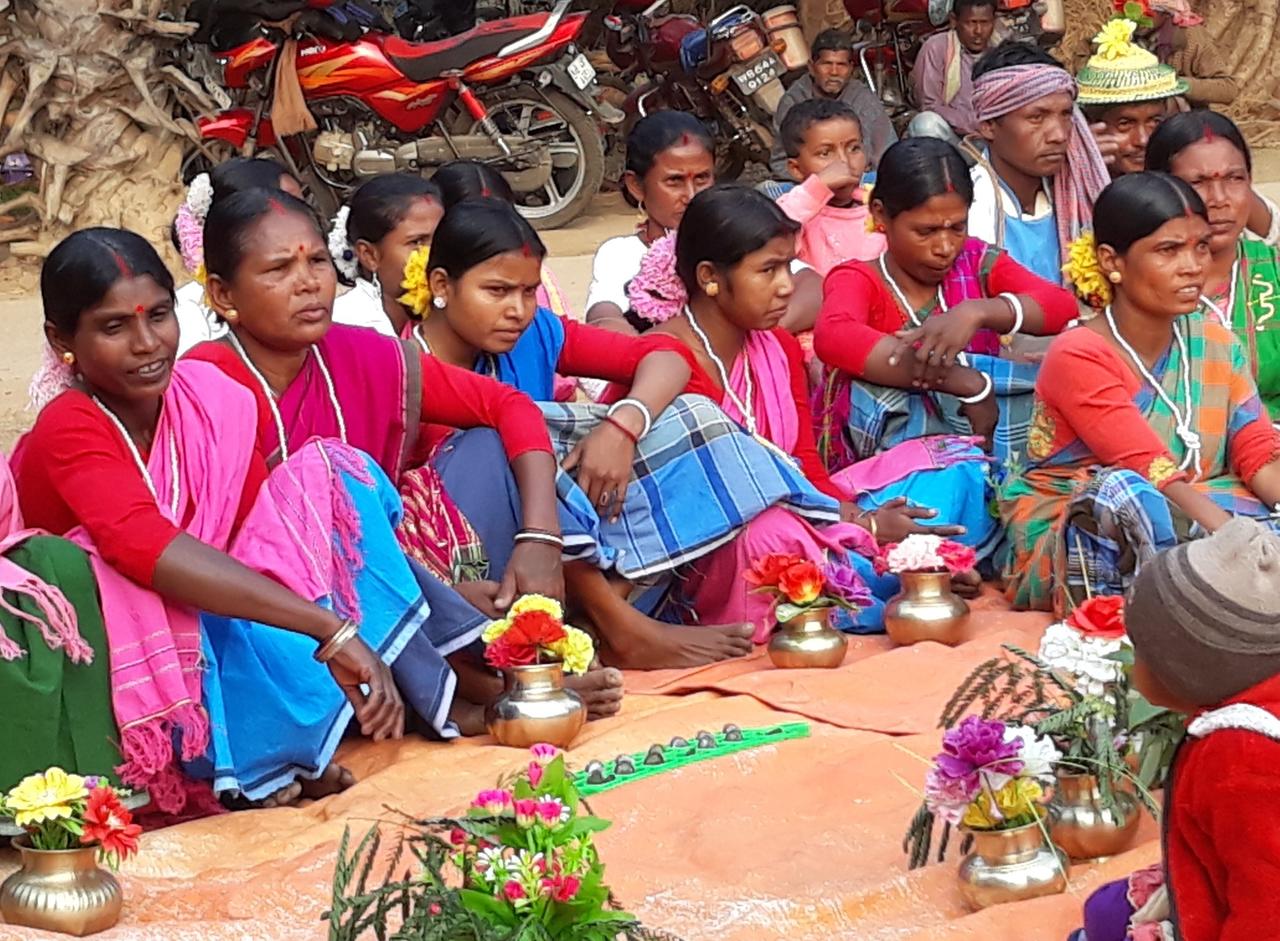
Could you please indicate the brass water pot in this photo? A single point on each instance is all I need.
(1083, 824)
(61, 890)
(535, 707)
(926, 609)
(1011, 866)
(808, 640)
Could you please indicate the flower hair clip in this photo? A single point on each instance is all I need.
(189, 223)
(344, 256)
(656, 293)
(1084, 274)
(417, 290)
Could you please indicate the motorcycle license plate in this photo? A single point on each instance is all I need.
(755, 75)
(581, 71)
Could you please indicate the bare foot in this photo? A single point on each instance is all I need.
(600, 689)
(467, 716)
(333, 780)
(636, 642)
(287, 796)
(967, 584)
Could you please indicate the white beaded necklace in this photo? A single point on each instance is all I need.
(901, 295)
(1226, 315)
(142, 467)
(271, 396)
(490, 361)
(1182, 419)
(745, 408)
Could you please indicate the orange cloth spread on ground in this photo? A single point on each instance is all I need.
(798, 841)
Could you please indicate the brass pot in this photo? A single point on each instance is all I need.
(808, 640)
(535, 707)
(926, 609)
(1082, 823)
(1011, 866)
(61, 890)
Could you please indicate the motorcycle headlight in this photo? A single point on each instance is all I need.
(746, 45)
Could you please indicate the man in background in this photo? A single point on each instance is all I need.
(943, 74)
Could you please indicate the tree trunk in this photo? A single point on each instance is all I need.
(84, 92)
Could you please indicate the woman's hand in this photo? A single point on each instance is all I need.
(380, 711)
(535, 569)
(983, 417)
(937, 342)
(897, 520)
(603, 462)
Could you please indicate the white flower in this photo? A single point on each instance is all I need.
(200, 196)
(344, 257)
(917, 553)
(491, 864)
(1083, 659)
(1038, 755)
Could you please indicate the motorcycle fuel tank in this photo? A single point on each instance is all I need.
(666, 35)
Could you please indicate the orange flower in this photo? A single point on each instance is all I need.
(765, 572)
(1102, 616)
(801, 582)
(108, 824)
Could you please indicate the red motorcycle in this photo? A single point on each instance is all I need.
(516, 93)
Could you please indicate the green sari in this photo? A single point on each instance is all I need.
(55, 712)
(1254, 298)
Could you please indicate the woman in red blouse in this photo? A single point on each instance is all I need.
(926, 318)
(1148, 429)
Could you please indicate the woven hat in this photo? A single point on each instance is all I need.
(1205, 616)
(1122, 72)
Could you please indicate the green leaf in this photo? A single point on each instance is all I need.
(1141, 711)
(488, 907)
(786, 611)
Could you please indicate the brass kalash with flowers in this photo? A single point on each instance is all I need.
(807, 595)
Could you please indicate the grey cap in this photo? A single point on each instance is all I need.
(1205, 615)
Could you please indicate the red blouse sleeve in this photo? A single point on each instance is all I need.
(853, 319)
(1084, 381)
(460, 398)
(594, 353)
(1058, 304)
(81, 462)
(806, 449)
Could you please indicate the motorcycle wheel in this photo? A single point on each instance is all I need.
(577, 150)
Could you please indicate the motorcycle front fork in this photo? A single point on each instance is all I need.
(475, 107)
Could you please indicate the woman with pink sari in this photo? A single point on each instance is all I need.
(721, 285)
(249, 614)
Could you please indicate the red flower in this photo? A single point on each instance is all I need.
(513, 890)
(1101, 616)
(765, 572)
(801, 582)
(109, 824)
(503, 655)
(881, 562)
(536, 628)
(957, 557)
(561, 888)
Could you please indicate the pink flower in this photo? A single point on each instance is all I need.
(957, 557)
(656, 292)
(544, 753)
(946, 796)
(561, 888)
(535, 774)
(526, 812)
(494, 803)
(917, 553)
(513, 891)
(435, 908)
(550, 812)
(457, 836)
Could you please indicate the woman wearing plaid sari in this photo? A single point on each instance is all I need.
(1147, 429)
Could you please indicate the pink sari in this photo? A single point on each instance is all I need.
(717, 586)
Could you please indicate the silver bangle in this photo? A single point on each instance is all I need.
(549, 539)
(337, 640)
(1019, 314)
(975, 399)
(638, 406)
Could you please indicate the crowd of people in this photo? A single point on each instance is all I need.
(257, 513)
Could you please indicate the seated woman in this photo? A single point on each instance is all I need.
(196, 321)
(270, 278)
(1242, 290)
(1148, 429)
(247, 613)
(54, 679)
(720, 286)
(912, 342)
(658, 481)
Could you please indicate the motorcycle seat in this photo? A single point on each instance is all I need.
(424, 61)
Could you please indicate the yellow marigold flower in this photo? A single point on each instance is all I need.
(1160, 470)
(576, 650)
(1115, 40)
(1020, 796)
(495, 630)
(870, 224)
(47, 796)
(417, 292)
(201, 275)
(1083, 272)
(537, 603)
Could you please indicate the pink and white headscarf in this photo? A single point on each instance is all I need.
(1083, 175)
(1179, 11)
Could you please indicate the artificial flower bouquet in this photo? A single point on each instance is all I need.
(801, 585)
(923, 552)
(1084, 647)
(62, 811)
(534, 632)
(522, 863)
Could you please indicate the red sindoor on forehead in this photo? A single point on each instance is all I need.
(526, 250)
(121, 265)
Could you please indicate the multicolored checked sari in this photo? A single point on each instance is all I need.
(1077, 526)
(1254, 298)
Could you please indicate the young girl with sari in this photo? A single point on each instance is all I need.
(651, 482)
(1242, 290)
(1148, 429)
(911, 343)
(247, 612)
(271, 279)
(720, 286)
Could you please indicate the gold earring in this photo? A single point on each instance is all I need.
(712, 289)
(1114, 277)
(69, 358)
(232, 315)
